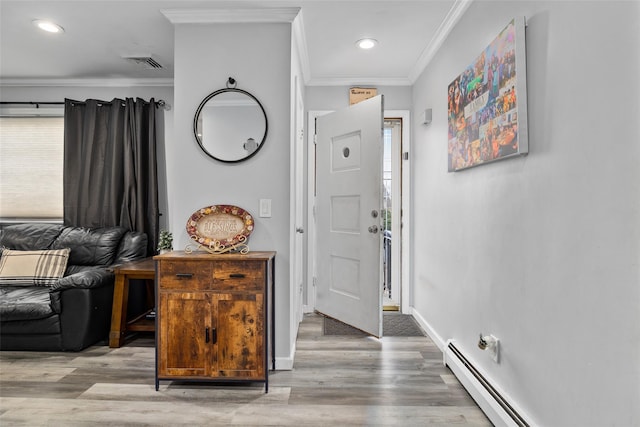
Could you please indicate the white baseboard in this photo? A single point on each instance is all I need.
(478, 392)
(286, 363)
(437, 339)
(487, 403)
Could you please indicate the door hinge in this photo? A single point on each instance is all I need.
(315, 281)
(315, 138)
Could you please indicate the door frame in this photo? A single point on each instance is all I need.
(405, 254)
(297, 243)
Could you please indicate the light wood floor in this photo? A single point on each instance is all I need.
(336, 381)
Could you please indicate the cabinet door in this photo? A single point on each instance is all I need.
(184, 340)
(239, 352)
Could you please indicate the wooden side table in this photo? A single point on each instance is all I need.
(139, 269)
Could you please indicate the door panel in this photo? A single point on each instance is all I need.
(349, 183)
(239, 335)
(345, 214)
(186, 321)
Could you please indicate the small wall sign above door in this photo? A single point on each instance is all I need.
(358, 94)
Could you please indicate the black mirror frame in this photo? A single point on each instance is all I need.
(199, 110)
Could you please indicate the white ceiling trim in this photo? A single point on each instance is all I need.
(455, 13)
(227, 16)
(149, 82)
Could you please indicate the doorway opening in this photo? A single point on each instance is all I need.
(397, 126)
(392, 213)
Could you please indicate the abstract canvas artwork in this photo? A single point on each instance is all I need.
(487, 103)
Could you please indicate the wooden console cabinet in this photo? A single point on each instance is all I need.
(214, 316)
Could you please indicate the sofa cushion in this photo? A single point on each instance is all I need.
(32, 268)
(24, 303)
(29, 236)
(97, 246)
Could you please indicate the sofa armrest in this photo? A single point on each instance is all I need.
(86, 279)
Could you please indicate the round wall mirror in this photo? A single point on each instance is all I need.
(230, 125)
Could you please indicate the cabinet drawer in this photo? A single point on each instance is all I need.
(238, 275)
(187, 275)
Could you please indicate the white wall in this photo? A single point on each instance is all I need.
(258, 56)
(542, 251)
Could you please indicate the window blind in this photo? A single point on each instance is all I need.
(31, 167)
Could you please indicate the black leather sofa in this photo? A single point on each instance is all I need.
(75, 312)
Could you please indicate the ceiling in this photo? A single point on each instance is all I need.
(99, 33)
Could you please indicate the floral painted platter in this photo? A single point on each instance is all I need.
(220, 226)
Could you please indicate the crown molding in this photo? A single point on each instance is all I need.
(230, 16)
(106, 82)
(455, 13)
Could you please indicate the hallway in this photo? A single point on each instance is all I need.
(336, 380)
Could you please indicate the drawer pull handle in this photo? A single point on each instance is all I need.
(237, 276)
(184, 275)
(206, 335)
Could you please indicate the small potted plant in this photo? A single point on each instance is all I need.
(165, 242)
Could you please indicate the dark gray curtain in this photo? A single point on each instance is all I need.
(110, 167)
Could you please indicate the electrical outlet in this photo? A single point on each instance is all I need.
(492, 345)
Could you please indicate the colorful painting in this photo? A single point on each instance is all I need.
(487, 103)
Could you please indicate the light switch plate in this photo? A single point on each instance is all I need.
(265, 208)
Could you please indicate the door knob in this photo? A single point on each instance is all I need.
(373, 229)
(300, 230)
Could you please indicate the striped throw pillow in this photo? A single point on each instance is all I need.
(32, 268)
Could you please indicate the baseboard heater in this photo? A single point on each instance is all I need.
(488, 398)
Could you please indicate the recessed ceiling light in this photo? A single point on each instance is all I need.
(366, 43)
(48, 26)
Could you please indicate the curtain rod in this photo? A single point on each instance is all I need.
(161, 103)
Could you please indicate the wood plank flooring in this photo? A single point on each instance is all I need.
(336, 381)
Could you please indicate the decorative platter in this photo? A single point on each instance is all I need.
(220, 226)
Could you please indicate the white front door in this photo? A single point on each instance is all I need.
(349, 202)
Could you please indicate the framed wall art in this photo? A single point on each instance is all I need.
(487, 103)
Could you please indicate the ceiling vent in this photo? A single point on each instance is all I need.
(146, 62)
